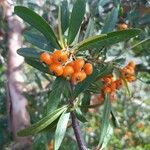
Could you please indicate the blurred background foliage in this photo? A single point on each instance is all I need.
(102, 16)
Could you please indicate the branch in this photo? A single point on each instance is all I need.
(77, 132)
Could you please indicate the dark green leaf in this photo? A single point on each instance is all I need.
(105, 119)
(38, 65)
(110, 23)
(29, 53)
(76, 19)
(54, 97)
(99, 41)
(39, 23)
(43, 123)
(80, 115)
(61, 129)
(64, 15)
(86, 100)
(37, 40)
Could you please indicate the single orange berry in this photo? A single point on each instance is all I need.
(57, 69)
(78, 64)
(78, 77)
(132, 64)
(106, 90)
(68, 71)
(119, 83)
(88, 68)
(127, 71)
(46, 58)
(122, 26)
(70, 64)
(107, 80)
(131, 78)
(60, 57)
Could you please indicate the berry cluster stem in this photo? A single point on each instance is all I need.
(75, 125)
(77, 132)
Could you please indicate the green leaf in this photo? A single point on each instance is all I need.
(105, 119)
(114, 118)
(86, 100)
(61, 129)
(37, 40)
(39, 23)
(38, 65)
(90, 29)
(76, 19)
(29, 53)
(110, 23)
(43, 123)
(64, 15)
(99, 41)
(80, 115)
(108, 135)
(60, 29)
(54, 97)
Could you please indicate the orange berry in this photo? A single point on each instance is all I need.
(60, 57)
(107, 80)
(46, 58)
(78, 77)
(57, 69)
(122, 26)
(131, 78)
(132, 64)
(78, 64)
(70, 64)
(127, 71)
(88, 68)
(68, 71)
(113, 86)
(106, 90)
(119, 83)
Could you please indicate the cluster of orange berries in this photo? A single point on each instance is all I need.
(60, 64)
(111, 85)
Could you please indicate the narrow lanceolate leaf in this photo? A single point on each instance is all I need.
(29, 53)
(54, 97)
(39, 23)
(105, 119)
(60, 29)
(114, 118)
(43, 123)
(107, 137)
(110, 23)
(90, 29)
(80, 115)
(64, 15)
(37, 40)
(77, 16)
(38, 65)
(99, 41)
(61, 129)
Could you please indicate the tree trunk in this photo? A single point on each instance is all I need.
(18, 115)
